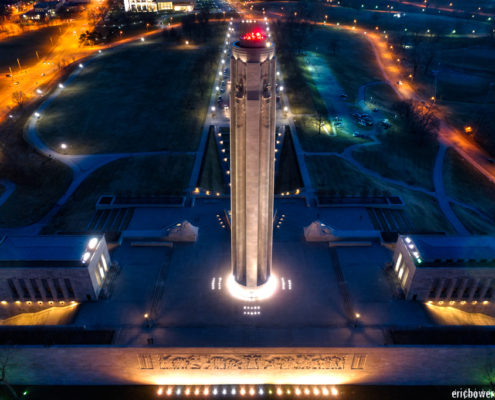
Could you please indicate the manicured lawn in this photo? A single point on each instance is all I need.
(353, 63)
(211, 177)
(24, 47)
(472, 222)
(143, 97)
(332, 174)
(40, 181)
(464, 183)
(381, 96)
(400, 157)
(288, 177)
(136, 175)
(36, 192)
(302, 93)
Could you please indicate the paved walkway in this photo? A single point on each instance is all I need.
(328, 87)
(442, 198)
(9, 189)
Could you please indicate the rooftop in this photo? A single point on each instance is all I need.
(436, 250)
(44, 251)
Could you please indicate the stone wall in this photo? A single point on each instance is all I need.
(79, 365)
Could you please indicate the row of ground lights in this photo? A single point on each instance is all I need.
(29, 302)
(259, 390)
(462, 302)
(413, 250)
(206, 192)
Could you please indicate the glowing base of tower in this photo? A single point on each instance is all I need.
(261, 292)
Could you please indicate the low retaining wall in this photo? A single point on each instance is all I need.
(81, 365)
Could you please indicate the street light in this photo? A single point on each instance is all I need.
(147, 320)
(357, 315)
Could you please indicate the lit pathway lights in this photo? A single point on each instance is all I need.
(147, 321)
(356, 321)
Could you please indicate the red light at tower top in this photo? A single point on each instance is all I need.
(255, 35)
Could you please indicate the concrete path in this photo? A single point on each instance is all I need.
(442, 198)
(9, 189)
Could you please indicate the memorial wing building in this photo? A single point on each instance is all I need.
(446, 268)
(52, 268)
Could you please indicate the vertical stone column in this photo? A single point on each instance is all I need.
(252, 150)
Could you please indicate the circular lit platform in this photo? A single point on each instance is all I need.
(248, 294)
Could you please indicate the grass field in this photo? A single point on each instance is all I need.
(211, 177)
(136, 175)
(332, 174)
(303, 95)
(472, 222)
(464, 183)
(381, 96)
(31, 200)
(24, 48)
(353, 63)
(40, 181)
(400, 157)
(143, 97)
(288, 177)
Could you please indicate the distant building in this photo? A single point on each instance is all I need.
(453, 269)
(34, 15)
(184, 6)
(73, 6)
(52, 268)
(165, 5)
(158, 5)
(47, 7)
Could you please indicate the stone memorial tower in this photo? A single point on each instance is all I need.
(252, 149)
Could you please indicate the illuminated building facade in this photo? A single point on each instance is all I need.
(158, 5)
(52, 268)
(457, 269)
(252, 149)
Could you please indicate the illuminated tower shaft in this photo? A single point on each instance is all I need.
(252, 149)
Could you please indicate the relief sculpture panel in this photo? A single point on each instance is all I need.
(251, 361)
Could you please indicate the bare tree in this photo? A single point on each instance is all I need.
(319, 122)
(489, 372)
(19, 98)
(419, 117)
(5, 361)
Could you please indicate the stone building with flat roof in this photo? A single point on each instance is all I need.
(446, 269)
(52, 268)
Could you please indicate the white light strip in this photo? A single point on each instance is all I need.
(260, 293)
